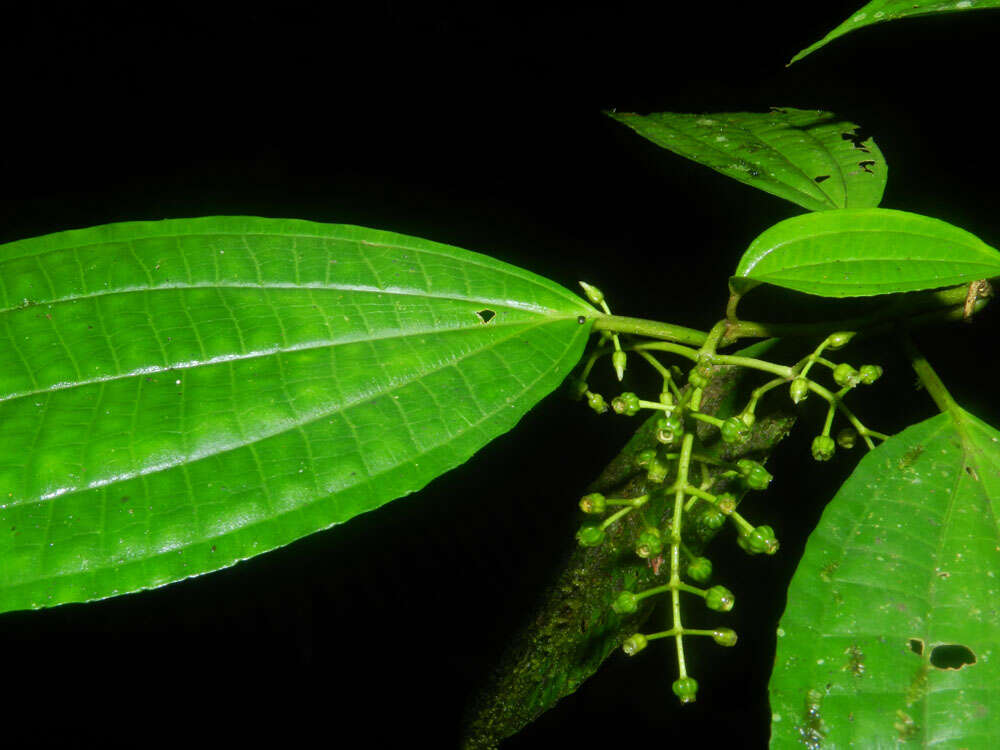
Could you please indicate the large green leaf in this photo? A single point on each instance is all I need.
(810, 157)
(865, 252)
(177, 396)
(898, 590)
(879, 11)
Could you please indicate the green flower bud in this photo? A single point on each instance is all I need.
(595, 502)
(697, 378)
(725, 502)
(575, 388)
(618, 360)
(798, 390)
(713, 518)
(657, 470)
(634, 644)
(596, 402)
(700, 569)
(594, 294)
(756, 476)
(686, 688)
(760, 541)
(720, 599)
(839, 339)
(870, 373)
(724, 636)
(626, 603)
(669, 429)
(845, 376)
(590, 536)
(823, 447)
(748, 418)
(645, 458)
(734, 431)
(847, 437)
(649, 543)
(627, 403)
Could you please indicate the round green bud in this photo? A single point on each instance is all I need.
(649, 543)
(839, 339)
(759, 541)
(870, 373)
(594, 294)
(596, 402)
(697, 378)
(847, 437)
(734, 431)
(686, 688)
(625, 604)
(823, 447)
(590, 536)
(645, 458)
(618, 360)
(657, 470)
(713, 518)
(720, 599)
(595, 502)
(575, 388)
(845, 376)
(627, 403)
(798, 390)
(669, 429)
(700, 569)
(725, 502)
(634, 644)
(754, 473)
(724, 637)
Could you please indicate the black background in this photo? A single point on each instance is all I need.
(482, 128)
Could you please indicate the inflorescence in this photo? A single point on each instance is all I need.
(678, 457)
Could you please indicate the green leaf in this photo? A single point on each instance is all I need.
(898, 587)
(864, 252)
(810, 157)
(177, 396)
(880, 11)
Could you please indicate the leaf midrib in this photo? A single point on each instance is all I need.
(297, 425)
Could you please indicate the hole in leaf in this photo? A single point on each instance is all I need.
(916, 646)
(485, 316)
(820, 178)
(867, 165)
(857, 138)
(951, 656)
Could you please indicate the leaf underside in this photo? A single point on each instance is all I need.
(810, 157)
(880, 11)
(865, 252)
(892, 631)
(177, 396)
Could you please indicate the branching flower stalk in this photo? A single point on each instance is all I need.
(680, 456)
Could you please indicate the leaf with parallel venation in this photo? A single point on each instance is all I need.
(810, 157)
(880, 11)
(892, 631)
(177, 396)
(864, 252)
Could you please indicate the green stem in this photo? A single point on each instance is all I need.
(942, 398)
(651, 328)
(664, 346)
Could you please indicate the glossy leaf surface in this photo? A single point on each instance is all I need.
(810, 157)
(176, 396)
(880, 11)
(898, 590)
(865, 252)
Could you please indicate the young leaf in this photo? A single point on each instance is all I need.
(879, 11)
(810, 157)
(892, 626)
(864, 252)
(177, 396)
